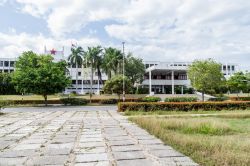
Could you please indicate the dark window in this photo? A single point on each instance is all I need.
(233, 68)
(6, 71)
(79, 73)
(73, 82)
(155, 77)
(12, 63)
(163, 77)
(228, 67)
(147, 66)
(1, 63)
(79, 81)
(224, 67)
(11, 71)
(6, 63)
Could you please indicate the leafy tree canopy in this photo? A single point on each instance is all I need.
(238, 82)
(6, 87)
(134, 69)
(205, 75)
(115, 85)
(38, 74)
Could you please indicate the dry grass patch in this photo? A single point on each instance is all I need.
(208, 140)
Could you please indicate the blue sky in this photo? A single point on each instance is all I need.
(164, 30)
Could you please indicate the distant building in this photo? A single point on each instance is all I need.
(160, 77)
(163, 77)
(7, 65)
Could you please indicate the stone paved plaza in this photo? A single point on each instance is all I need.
(69, 136)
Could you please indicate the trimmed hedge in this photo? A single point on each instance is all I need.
(23, 102)
(218, 99)
(240, 98)
(183, 106)
(181, 99)
(151, 99)
(74, 101)
(109, 101)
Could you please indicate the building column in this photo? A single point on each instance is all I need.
(226, 70)
(150, 83)
(182, 89)
(163, 89)
(172, 79)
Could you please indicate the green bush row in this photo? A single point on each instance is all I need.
(240, 98)
(181, 99)
(109, 101)
(150, 99)
(182, 106)
(74, 101)
(219, 99)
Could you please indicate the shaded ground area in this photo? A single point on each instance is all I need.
(74, 136)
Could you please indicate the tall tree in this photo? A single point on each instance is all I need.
(115, 85)
(6, 86)
(92, 57)
(134, 69)
(75, 59)
(38, 74)
(238, 82)
(112, 61)
(205, 75)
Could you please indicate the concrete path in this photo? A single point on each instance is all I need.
(88, 138)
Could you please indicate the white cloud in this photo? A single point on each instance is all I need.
(165, 29)
(12, 45)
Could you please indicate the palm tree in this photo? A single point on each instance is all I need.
(93, 58)
(75, 58)
(112, 61)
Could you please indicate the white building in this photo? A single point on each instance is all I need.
(83, 75)
(7, 65)
(163, 77)
(160, 77)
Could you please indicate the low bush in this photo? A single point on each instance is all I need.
(182, 106)
(109, 101)
(151, 99)
(74, 101)
(23, 102)
(218, 99)
(181, 99)
(240, 98)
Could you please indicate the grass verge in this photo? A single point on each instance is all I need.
(217, 140)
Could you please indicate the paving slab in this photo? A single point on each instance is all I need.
(76, 136)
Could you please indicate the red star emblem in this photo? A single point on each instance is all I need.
(53, 51)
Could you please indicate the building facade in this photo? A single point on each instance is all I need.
(7, 65)
(166, 77)
(160, 77)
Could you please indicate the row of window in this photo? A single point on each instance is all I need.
(228, 67)
(167, 77)
(7, 63)
(86, 82)
(180, 64)
(6, 71)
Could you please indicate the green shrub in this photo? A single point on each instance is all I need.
(74, 101)
(218, 99)
(109, 101)
(182, 106)
(4, 104)
(240, 98)
(181, 99)
(151, 99)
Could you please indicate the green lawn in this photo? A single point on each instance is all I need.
(221, 138)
